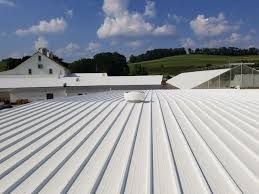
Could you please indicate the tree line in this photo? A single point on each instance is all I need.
(225, 51)
(11, 63)
(114, 64)
(161, 53)
(157, 54)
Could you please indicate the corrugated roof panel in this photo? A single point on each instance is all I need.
(201, 141)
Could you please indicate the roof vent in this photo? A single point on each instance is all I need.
(134, 96)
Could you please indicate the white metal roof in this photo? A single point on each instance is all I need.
(175, 142)
(81, 80)
(91, 74)
(193, 79)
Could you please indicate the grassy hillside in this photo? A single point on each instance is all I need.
(178, 64)
(3, 66)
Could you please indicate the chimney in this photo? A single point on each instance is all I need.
(44, 51)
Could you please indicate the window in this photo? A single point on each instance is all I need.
(50, 71)
(39, 58)
(40, 66)
(49, 96)
(29, 71)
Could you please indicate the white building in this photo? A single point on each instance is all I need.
(40, 64)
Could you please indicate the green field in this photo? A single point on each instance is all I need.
(3, 66)
(178, 64)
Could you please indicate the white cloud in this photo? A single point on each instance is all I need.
(70, 50)
(93, 46)
(178, 19)
(73, 51)
(41, 42)
(52, 26)
(150, 9)
(134, 44)
(69, 13)
(211, 26)
(114, 8)
(125, 25)
(235, 39)
(7, 2)
(188, 43)
(120, 22)
(165, 30)
(253, 31)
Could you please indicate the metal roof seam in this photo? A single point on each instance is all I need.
(98, 181)
(18, 182)
(33, 132)
(46, 180)
(198, 128)
(202, 176)
(179, 186)
(122, 190)
(64, 105)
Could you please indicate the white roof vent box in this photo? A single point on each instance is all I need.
(135, 96)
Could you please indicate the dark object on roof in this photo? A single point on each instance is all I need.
(5, 106)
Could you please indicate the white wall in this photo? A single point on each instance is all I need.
(32, 63)
(36, 94)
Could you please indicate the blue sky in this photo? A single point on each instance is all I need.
(82, 28)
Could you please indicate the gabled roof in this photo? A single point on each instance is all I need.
(193, 79)
(51, 60)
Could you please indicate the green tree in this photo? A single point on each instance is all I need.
(138, 70)
(83, 66)
(112, 63)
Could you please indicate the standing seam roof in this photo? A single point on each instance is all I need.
(201, 141)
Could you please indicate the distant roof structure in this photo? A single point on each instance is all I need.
(95, 79)
(191, 80)
(190, 141)
(237, 64)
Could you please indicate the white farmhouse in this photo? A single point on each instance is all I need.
(40, 64)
